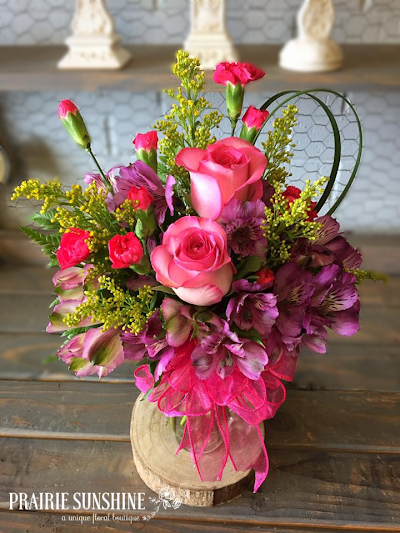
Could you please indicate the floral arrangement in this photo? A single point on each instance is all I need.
(200, 263)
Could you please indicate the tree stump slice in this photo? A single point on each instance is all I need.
(154, 445)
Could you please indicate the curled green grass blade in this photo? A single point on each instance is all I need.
(336, 134)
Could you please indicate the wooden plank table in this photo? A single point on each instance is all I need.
(334, 446)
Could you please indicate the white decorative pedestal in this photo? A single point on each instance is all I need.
(313, 50)
(209, 39)
(94, 44)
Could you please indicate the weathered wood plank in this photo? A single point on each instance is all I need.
(320, 420)
(345, 366)
(39, 522)
(326, 489)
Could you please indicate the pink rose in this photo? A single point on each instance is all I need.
(237, 73)
(229, 169)
(193, 261)
(255, 118)
(146, 141)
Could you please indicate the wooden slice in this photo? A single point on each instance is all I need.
(154, 445)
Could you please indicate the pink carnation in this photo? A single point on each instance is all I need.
(237, 73)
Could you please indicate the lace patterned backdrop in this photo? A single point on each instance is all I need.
(43, 149)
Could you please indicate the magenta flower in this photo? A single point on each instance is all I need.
(282, 358)
(221, 351)
(243, 227)
(252, 309)
(293, 288)
(334, 304)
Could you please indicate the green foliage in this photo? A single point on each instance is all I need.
(187, 124)
(286, 222)
(48, 242)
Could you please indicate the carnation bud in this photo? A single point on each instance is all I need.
(73, 121)
(234, 101)
(253, 120)
(146, 148)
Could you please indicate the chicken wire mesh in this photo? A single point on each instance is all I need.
(313, 154)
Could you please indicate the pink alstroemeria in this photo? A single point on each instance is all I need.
(221, 351)
(60, 311)
(69, 283)
(178, 321)
(95, 351)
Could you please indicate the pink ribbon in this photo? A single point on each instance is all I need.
(210, 436)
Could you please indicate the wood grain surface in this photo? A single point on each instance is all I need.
(334, 446)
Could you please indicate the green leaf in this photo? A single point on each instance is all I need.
(161, 288)
(45, 220)
(53, 303)
(252, 335)
(250, 265)
(48, 241)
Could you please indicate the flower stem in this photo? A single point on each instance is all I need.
(106, 181)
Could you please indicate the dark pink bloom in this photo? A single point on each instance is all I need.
(125, 250)
(255, 118)
(65, 107)
(73, 248)
(140, 198)
(146, 141)
(237, 73)
(243, 222)
(228, 169)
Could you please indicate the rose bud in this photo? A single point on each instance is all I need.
(73, 121)
(253, 120)
(73, 248)
(146, 148)
(235, 76)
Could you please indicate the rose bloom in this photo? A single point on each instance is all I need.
(125, 250)
(237, 73)
(146, 141)
(140, 198)
(293, 193)
(73, 248)
(255, 118)
(193, 261)
(228, 169)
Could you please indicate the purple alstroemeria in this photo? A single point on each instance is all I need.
(151, 342)
(138, 281)
(139, 174)
(243, 222)
(252, 309)
(95, 351)
(329, 247)
(334, 303)
(222, 350)
(293, 288)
